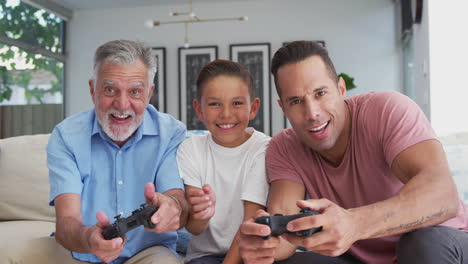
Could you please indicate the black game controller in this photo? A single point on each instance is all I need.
(141, 216)
(278, 223)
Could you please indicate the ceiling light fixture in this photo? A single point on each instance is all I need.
(193, 18)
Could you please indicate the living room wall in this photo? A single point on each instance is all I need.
(448, 54)
(362, 37)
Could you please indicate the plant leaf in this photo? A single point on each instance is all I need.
(349, 81)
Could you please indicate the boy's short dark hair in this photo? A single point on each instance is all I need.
(224, 67)
(297, 51)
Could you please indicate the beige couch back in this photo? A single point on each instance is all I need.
(24, 183)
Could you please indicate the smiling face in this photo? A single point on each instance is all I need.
(315, 106)
(226, 108)
(120, 94)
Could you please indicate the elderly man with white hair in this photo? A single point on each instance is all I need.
(111, 159)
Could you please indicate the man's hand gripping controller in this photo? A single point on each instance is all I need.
(141, 216)
(278, 223)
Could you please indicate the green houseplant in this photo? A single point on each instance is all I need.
(349, 81)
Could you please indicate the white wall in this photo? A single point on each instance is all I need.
(362, 37)
(449, 53)
(422, 94)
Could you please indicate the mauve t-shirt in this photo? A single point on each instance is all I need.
(383, 125)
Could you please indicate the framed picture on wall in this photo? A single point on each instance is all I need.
(256, 58)
(286, 123)
(191, 60)
(158, 100)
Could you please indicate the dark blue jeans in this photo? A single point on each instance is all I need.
(312, 257)
(431, 245)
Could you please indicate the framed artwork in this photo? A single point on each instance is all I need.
(191, 60)
(158, 100)
(256, 58)
(286, 123)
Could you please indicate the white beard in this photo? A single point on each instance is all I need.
(120, 133)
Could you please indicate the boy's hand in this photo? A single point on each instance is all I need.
(106, 250)
(202, 202)
(252, 247)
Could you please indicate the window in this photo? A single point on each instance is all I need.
(31, 69)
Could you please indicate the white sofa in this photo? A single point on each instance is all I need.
(456, 149)
(26, 219)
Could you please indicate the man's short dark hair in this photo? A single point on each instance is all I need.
(298, 51)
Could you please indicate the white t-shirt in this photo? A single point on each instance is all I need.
(235, 174)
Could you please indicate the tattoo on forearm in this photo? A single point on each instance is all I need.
(419, 221)
(389, 215)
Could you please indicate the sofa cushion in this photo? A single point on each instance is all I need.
(24, 182)
(26, 242)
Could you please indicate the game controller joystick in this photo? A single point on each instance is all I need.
(141, 216)
(278, 223)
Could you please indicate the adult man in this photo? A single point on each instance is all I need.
(372, 166)
(108, 160)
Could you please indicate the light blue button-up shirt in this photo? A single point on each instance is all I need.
(82, 159)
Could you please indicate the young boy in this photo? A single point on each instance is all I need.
(229, 161)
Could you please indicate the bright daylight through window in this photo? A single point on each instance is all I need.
(31, 69)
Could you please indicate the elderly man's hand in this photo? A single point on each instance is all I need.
(167, 217)
(253, 248)
(106, 250)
